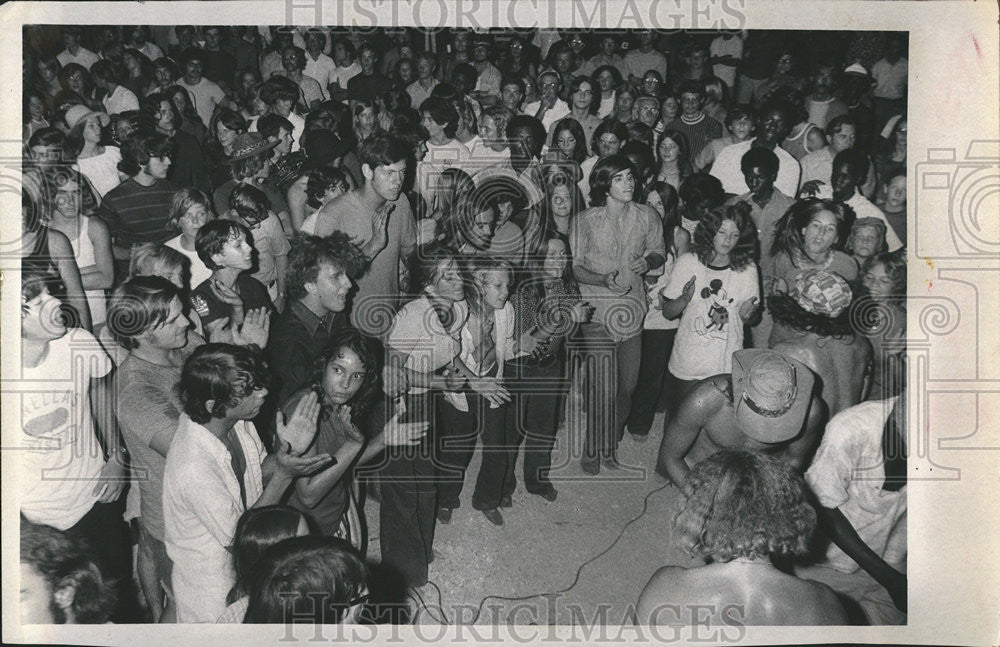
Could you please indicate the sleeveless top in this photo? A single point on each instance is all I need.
(797, 145)
(83, 251)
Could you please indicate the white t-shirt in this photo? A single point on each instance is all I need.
(723, 47)
(59, 453)
(205, 95)
(199, 271)
(102, 170)
(710, 329)
(551, 116)
(727, 169)
(654, 318)
(450, 154)
(323, 69)
(847, 473)
(344, 74)
(83, 57)
(120, 100)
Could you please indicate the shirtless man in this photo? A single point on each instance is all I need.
(812, 326)
(767, 404)
(756, 506)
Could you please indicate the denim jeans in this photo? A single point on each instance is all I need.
(539, 389)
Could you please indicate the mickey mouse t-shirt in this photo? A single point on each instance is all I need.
(710, 330)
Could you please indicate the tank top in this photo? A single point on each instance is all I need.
(797, 146)
(83, 251)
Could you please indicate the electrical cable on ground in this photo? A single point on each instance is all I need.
(444, 620)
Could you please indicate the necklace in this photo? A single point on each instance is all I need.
(750, 562)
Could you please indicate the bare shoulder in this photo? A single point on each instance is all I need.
(821, 605)
(660, 590)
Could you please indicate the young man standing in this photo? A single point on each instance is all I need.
(615, 243)
(638, 61)
(205, 94)
(74, 52)
(420, 90)
(187, 166)
(440, 119)
(319, 280)
(767, 206)
(146, 318)
(74, 465)
(318, 65)
(368, 84)
(217, 468)
(772, 129)
(138, 210)
(697, 127)
(377, 218)
(220, 65)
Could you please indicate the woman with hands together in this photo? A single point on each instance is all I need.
(344, 388)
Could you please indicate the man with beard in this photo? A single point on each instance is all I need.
(377, 218)
(772, 129)
(187, 166)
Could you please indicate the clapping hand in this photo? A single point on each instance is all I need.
(688, 291)
(255, 328)
(354, 435)
(748, 308)
(225, 293)
(300, 430)
(581, 312)
(491, 389)
(639, 266)
(397, 433)
(611, 282)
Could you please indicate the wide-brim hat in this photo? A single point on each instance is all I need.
(250, 144)
(79, 114)
(771, 394)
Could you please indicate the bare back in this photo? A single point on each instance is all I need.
(736, 594)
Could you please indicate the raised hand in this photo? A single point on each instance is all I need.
(300, 430)
(394, 381)
(255, 328)
(688, 291)
(810, 188)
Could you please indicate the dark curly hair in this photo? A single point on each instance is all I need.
(369, 350)
(744, 504)
(223, 373)
(747, 249)
(785, 310)
(64, 562)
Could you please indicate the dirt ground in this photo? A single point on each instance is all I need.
(580, 560)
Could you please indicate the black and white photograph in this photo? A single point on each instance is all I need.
(621, 328)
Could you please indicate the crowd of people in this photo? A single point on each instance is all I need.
(271, 272)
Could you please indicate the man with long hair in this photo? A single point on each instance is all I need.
(739, 509)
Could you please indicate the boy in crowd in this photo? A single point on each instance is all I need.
(217, 468)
